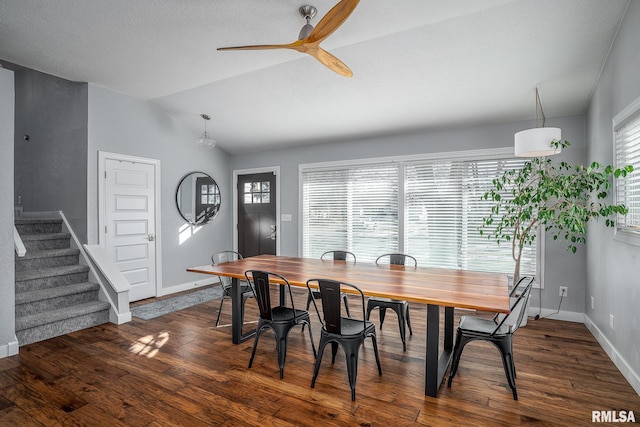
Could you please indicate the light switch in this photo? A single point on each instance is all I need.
(285, 217)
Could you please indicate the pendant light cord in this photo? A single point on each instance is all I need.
(539, 108)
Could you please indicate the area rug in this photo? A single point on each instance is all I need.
(169, 305)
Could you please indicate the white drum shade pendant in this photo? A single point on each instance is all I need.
(536, 142)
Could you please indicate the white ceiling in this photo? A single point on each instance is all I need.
(417, 64)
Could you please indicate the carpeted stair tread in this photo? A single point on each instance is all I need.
(28, 221)
(49, 253)
(60, 291)
(44, 236)
(50, 272)
(38, 225)
(53, 296)
(67, 313)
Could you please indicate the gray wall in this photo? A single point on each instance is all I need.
(562, 268)
(50, 168)
(7, 269)
(125, 125)
(612, 266)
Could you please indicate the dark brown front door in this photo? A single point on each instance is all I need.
(257, 214)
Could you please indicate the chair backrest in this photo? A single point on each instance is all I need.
(518, 306)
(519, 287)
(222, 257)
(397, 259)
(513, 295)
(331, 295)
(339, 255)
(260, 283)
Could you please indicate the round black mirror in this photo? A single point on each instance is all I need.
(198, 198)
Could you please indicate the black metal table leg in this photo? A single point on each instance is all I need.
(433, 338)
(436, 365)
(448, 328)
(236, 314)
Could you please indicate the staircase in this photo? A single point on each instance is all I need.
(53, 294)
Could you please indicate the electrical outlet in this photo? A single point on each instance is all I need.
(563, 292)
(611, 323)
(593, 303)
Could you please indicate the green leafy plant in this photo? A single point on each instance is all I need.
(561, 198)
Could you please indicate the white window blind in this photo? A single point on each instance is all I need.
(443, 210)
(433, 214)
(627, 152)
(350, 208)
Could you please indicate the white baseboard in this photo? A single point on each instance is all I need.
(10, 348)
(567, 316)
(617, 359)
(119, 318)
(188, 286)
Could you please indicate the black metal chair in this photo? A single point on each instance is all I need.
(225, 282)
(499, 331)
(401, 307)
(347, 332)
(336, 256)
(280, 319)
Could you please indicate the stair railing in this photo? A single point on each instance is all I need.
(18, 244)
(114, 287)
(118, 287)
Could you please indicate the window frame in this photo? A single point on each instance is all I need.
(628, 114)
(467, 155)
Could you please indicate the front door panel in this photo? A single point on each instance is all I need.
(257, 214)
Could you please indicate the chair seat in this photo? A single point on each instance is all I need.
(387, 300)
(282, 314)
(480, 326)
(353, 327)
(245, 288)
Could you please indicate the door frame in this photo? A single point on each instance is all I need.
(276, 171)
(103, 156)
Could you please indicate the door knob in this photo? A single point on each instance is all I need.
(151, 237)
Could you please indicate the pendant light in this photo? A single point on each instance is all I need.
(537, 142)
(205, 140)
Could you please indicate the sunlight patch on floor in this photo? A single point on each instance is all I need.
(149, 345)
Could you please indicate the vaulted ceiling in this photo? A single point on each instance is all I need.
(417, 64)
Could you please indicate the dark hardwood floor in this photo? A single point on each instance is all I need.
(179, 370)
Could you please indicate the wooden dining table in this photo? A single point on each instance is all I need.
(435, 287)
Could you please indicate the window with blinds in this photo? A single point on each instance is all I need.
(429, 209)
(443, 210)
(627, 190)
(353, 208)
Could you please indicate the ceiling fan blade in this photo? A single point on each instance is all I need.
(332, 20)
(297, 45)
(330, 61)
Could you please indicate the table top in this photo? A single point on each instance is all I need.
(439, 286)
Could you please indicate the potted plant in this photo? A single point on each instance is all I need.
(562, 198)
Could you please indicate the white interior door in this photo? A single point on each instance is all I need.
(129, 223)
